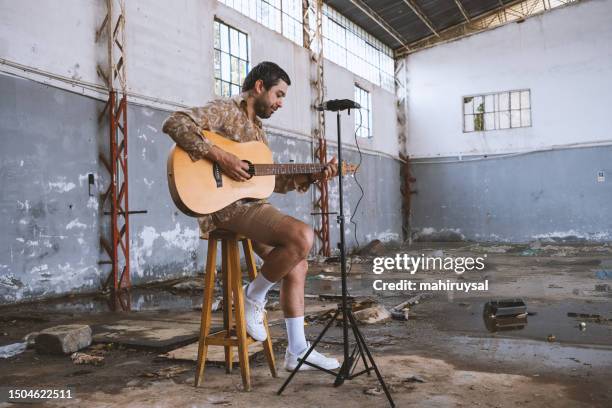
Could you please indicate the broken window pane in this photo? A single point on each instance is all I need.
(478, 104)
(479, 122)
(468, 105)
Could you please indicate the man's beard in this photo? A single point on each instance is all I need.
(262, 110)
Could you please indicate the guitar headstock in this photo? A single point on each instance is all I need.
(348, 168)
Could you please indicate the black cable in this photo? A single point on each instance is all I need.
(354, 212)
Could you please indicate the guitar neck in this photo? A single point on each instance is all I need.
(290, 168)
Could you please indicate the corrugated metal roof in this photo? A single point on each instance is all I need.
(396, 13)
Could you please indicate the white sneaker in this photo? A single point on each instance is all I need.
(291, 360)
(254, 316)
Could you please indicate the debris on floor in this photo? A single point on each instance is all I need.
(12, 350)
(373, 248)
(83, 358)
(604, 274)
(373, 315)
(65, 339)
(506, 307)
(325, 277)
(166, 372)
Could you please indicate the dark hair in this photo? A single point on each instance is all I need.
(268, 72)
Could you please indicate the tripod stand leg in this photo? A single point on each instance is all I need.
(314, 344)
(365, 347)
(361, 352)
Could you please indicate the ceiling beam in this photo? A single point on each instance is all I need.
(417, 10)
(464, 27)
(380, 21)
(462, 9)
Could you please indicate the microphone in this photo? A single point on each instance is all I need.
(335, 105)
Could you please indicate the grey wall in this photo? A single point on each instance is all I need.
(549, 194)
(50, 142)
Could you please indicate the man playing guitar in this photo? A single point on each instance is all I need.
(282, 241)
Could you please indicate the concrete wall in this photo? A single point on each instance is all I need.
(51, 140)
(567, 64)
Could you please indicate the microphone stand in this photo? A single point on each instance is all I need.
(351, 359)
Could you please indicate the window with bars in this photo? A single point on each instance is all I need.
(351, 47)
(282, 16)
(363, 122)
(501, 110)
(345, 43)
(231, 59)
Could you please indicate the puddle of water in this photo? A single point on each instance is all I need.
(531, 355)
(140, 299)
(543, 320)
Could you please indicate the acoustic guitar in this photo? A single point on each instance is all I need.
(199, 188)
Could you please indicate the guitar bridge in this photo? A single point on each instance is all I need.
(217, 175)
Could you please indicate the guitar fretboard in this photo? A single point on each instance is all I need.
(290, 168)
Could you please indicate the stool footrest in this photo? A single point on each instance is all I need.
(221, 338)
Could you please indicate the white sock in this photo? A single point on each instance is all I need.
(258, 288)
(295, 334)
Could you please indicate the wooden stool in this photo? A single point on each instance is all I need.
(232, 335)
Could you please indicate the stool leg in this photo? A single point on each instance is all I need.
(241, 334)
(209, 286)
(227, 305)
(252, 269)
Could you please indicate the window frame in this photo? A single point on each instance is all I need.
(496, 112)
(238, 55)
(367, 114)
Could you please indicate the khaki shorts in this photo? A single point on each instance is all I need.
(259, 223)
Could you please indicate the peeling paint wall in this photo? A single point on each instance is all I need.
(49, 223)
(552, 194)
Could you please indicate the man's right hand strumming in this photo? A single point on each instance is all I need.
(230, 164)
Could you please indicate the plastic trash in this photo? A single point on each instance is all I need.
(11, 350)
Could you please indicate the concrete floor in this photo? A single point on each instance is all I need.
(445, 342)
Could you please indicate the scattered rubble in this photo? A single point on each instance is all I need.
(402, 311)
(372, 315)
(83, 358)
(373, 391)
(30, 339)
(166, 372)
(415, 378)
(190, 285)
(374, 248)
(64, 339)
